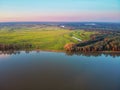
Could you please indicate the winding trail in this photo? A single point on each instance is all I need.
(77, 38)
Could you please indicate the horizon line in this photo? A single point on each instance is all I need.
(59, 22)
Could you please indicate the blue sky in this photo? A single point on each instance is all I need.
(60, 10)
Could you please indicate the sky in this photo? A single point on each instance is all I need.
(60, 10)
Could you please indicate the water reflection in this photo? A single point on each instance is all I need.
(96, 54)
(31, 70)
(87, 54)
(4, 55)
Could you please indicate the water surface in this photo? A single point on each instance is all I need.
(58, 71)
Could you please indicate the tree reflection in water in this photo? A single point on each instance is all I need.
(87, 54)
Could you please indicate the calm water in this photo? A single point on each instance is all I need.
(58, 71)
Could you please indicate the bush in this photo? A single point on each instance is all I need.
(70, 47)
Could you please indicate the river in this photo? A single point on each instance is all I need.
(58, 71)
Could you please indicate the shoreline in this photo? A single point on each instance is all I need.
(62, 51)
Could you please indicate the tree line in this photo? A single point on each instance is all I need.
(5, 47)
(106, 42)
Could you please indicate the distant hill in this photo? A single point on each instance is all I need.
(68, 25)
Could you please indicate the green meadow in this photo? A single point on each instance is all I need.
(43, 38)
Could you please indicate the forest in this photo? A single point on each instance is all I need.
(104, 41)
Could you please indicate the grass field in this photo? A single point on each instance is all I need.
(47, 38)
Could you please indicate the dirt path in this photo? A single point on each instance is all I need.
(77, 38)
